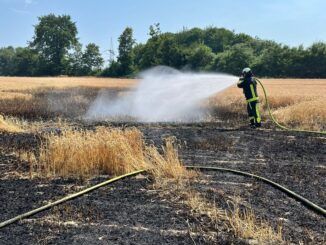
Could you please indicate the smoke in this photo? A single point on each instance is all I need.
(163, 95)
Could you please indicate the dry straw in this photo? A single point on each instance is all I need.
(9, 125)
(244, 223)
(85, 153)
(106, 151)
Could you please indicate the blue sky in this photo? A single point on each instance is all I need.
(291, 22)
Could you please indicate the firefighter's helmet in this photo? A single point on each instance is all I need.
(246, 72)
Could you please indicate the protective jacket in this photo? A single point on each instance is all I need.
(249, 86)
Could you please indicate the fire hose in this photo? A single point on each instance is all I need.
(314, 207)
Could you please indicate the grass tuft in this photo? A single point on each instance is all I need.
(167, 165)
(109, 151)
(245, 224)
(9, 125)
(87, 153)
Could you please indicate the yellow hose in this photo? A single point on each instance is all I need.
(276, 122)
(285, 190)
(67, 198)
(306, 202)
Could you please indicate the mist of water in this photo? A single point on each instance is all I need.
(163, 94)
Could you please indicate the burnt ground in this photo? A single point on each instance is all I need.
(131, 212)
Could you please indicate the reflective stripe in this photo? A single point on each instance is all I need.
(257, 113)
(250, 106)
(240, 81)
(253, 99)
(252, 91)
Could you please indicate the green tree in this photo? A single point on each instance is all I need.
(234, 59)
(126, 55)
(154, 30)
(139, 50)
(217, 38)
(25, 62)
(242, 38)
(92, 59)
(150, 54)
(188, 37)
(201, 58)
(74, 62)
(54, 37)
(171, 54)
(293, 62)
(271, 62)
(316, 60)
(111, 71)
(7, 65)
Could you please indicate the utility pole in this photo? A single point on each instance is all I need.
(111, 52)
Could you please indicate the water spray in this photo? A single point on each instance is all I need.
(163, 95)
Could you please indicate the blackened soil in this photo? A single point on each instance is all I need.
(130, 212)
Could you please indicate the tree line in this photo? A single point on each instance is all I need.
(56, 50)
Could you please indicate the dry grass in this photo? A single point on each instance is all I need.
(242, 223)
(307, 114)
(48, 103)
(10, 125)
(49, 97)
(201, 206)
(246, 225)
(167, 165)
(86, 153)
(32, 83)
(105, 151)
(288, 98)
(16, 95)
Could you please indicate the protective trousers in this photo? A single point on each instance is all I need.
(254, 114)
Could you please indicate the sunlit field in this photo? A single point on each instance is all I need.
(48, 97)
(29, 83)
(295, 102)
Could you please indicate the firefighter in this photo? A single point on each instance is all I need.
(249, 86)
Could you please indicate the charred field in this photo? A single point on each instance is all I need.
(211, 208)
(133, 212)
